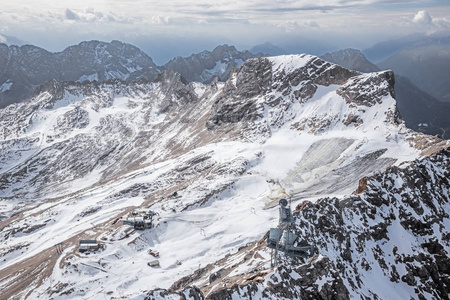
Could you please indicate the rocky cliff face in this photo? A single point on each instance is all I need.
(26, 67)
(205, 66)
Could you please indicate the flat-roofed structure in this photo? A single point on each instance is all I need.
(88, 245)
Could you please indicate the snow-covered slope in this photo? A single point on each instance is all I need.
(78, 156)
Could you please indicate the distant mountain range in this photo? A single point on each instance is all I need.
(352, 59)
(11, 40)
(24, 68)
(426, 66)
(268, 48)
(386, 49)
(298, 46)
(423, 61)
(205, 66)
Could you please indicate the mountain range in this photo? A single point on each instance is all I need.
(25, 68)
(425, 66)
(213, 160)
(205, 66)
(210, 144)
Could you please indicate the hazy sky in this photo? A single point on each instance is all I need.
(176, 26)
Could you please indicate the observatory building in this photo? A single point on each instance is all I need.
(282, 238)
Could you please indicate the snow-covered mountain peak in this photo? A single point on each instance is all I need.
(308, 94)
(289, 63)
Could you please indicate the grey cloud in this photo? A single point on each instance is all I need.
(90, 16)
(70, 15)
(312, 24)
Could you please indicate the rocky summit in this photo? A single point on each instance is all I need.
(211, 162)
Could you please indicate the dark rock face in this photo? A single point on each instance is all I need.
(358, 90)
(369, 234)
(233, 105)
(257, 83)
(174, 83)
(190, 293)
(317, 279)
(24, 68)
(205, 66)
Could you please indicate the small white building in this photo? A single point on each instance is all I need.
(153, 263)
(88, 245)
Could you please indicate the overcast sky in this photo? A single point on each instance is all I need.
(177, 27)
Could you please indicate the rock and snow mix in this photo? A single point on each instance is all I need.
(390, 242)
(212, 160)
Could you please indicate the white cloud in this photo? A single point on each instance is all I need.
(423, 18)
(51, 22)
